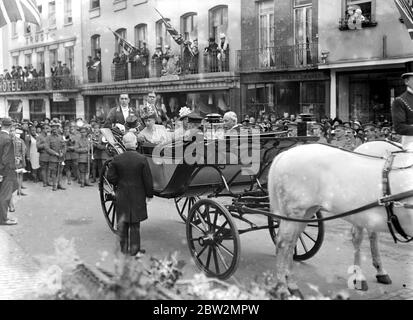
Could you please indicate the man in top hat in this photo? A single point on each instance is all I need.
(402, 113)
(55, 146)
(120, 113)
(8, 177)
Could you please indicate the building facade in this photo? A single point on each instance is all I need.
(184, 80)
(82, 35)
(279, 60)
(365, 57)
(49, 93)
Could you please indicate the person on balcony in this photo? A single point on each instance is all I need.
(116, 58)
(7, 75)
(167, 55)
(223, 54)
(211, 53)
(157, 60)
(144, 57)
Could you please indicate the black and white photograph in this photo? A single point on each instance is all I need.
(206, 156)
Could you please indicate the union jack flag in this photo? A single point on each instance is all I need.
(14, 10)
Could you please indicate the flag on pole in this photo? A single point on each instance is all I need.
(406, 13)
(14, 10)
(127, 47)
(178, 38)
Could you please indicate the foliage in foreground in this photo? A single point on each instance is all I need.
(67, 278)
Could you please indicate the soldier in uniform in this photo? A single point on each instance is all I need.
(44, 155)
(83, 148)
(56, 148)
(71, 158)
(342, 139)
(402, 113)
(370, 132)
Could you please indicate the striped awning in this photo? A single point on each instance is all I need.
(14, 10)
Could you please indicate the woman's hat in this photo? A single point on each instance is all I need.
(150, 116)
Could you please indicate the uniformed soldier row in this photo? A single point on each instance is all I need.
(74, 152)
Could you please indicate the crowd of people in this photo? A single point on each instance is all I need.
(166, 62)
(29, 72)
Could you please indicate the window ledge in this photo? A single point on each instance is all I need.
(344, 27)
(119, 5)
(14, 37)
(94, 13)
(52, 28)
(68, 24)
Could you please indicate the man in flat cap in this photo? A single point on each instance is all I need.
(8, 177)
(402, 113)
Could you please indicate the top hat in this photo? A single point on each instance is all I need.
(193, 117)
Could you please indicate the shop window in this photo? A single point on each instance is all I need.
(27, 60)
(358, 14)
(63, 110)
(37, 110)
(15, 110)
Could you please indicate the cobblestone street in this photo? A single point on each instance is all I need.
(45, 216)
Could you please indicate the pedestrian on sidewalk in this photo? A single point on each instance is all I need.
(8, 177)
(130, 174)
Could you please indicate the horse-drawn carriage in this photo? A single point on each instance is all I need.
(211, 228)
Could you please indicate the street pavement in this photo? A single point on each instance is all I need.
(45, 216)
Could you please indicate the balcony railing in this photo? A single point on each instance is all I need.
(299, 56)
(39, 84)
(119, 72)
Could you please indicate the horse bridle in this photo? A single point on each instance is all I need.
(393, 201)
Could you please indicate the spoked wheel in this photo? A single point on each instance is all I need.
(308, 243)
(108, 199)
(184, 205)
(213, 239)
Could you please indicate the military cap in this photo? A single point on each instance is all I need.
(55, 124)
(369, 126)
(6, 122)
(193, 117)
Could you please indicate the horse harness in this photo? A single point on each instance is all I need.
(388, 201)
(393, 201)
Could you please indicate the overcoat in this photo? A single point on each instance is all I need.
(131, 175)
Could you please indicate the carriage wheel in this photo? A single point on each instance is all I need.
(107, 199)
(308, 243)
(213, 239)
(184, 205)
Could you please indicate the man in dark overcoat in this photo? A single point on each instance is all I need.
(130, 174)
(8, 176)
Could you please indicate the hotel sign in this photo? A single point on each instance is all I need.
(11, 85)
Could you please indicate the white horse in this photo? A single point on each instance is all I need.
(311, 178)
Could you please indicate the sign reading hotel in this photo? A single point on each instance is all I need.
(11, 85)
(59, 97)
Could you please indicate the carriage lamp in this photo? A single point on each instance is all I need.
(213, 127)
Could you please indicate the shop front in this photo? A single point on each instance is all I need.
(367, 95)
(289, 93)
